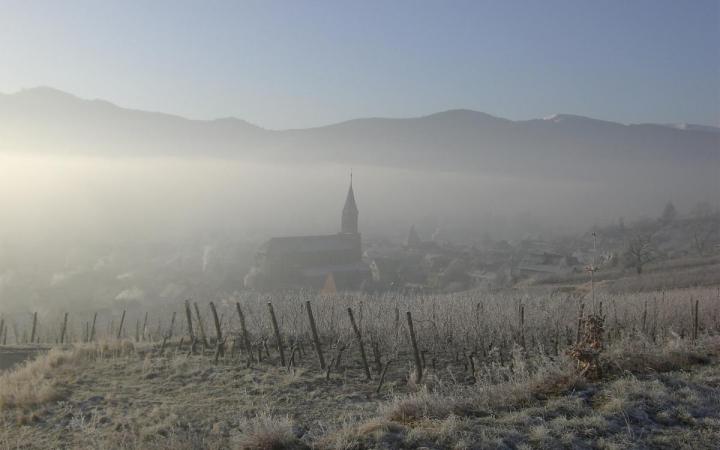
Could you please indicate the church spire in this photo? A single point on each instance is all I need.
(349, 222)
(413, 238)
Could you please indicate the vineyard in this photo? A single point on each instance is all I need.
(296, 330)
(428, 348)
(436, 350)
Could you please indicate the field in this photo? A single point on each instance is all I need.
(470, 370)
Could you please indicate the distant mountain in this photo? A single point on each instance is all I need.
(50, 121)
(693, 127)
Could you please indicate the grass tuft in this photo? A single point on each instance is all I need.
(31, 383)
(265, 432)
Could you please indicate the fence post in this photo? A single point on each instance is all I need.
(316, 339)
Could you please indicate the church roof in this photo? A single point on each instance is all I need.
(309, 244)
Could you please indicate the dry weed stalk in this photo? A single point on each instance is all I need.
(587, 351)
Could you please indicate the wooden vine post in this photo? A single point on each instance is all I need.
(316, 338)
(276, 329)
(188, 318)
(695, 321)
(375, 345)
(416, 351)
(171, 331)
(579, 323)
(92, 329)
(144, 327)
(122, 322)
(162, 347)
(200, 324)
(64, 329)
(218, 331)
(522, 325)
(244, 331)
(34, 329)
(397, 321)
(360, 344)
(644, 317)
(382, 375)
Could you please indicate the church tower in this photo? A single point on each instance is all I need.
(350, 213)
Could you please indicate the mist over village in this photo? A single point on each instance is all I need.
(359, 225)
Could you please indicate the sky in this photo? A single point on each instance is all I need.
(295, 64)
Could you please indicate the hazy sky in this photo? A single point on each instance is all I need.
(284, 64)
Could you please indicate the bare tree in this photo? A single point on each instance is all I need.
(640, 251)
(705, 233)
(669, 214)
(702, 210)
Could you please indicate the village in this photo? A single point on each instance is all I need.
(343, 262)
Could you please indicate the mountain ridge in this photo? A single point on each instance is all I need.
(684, 126)
(51, 121)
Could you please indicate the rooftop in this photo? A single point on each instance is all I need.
(310, 244)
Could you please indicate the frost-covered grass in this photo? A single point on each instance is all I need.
(650, 408)
(39, 380)
(133, 401)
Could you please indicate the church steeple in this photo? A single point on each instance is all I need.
(413, 238)
(350, 212)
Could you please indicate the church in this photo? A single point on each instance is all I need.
(319, 263)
